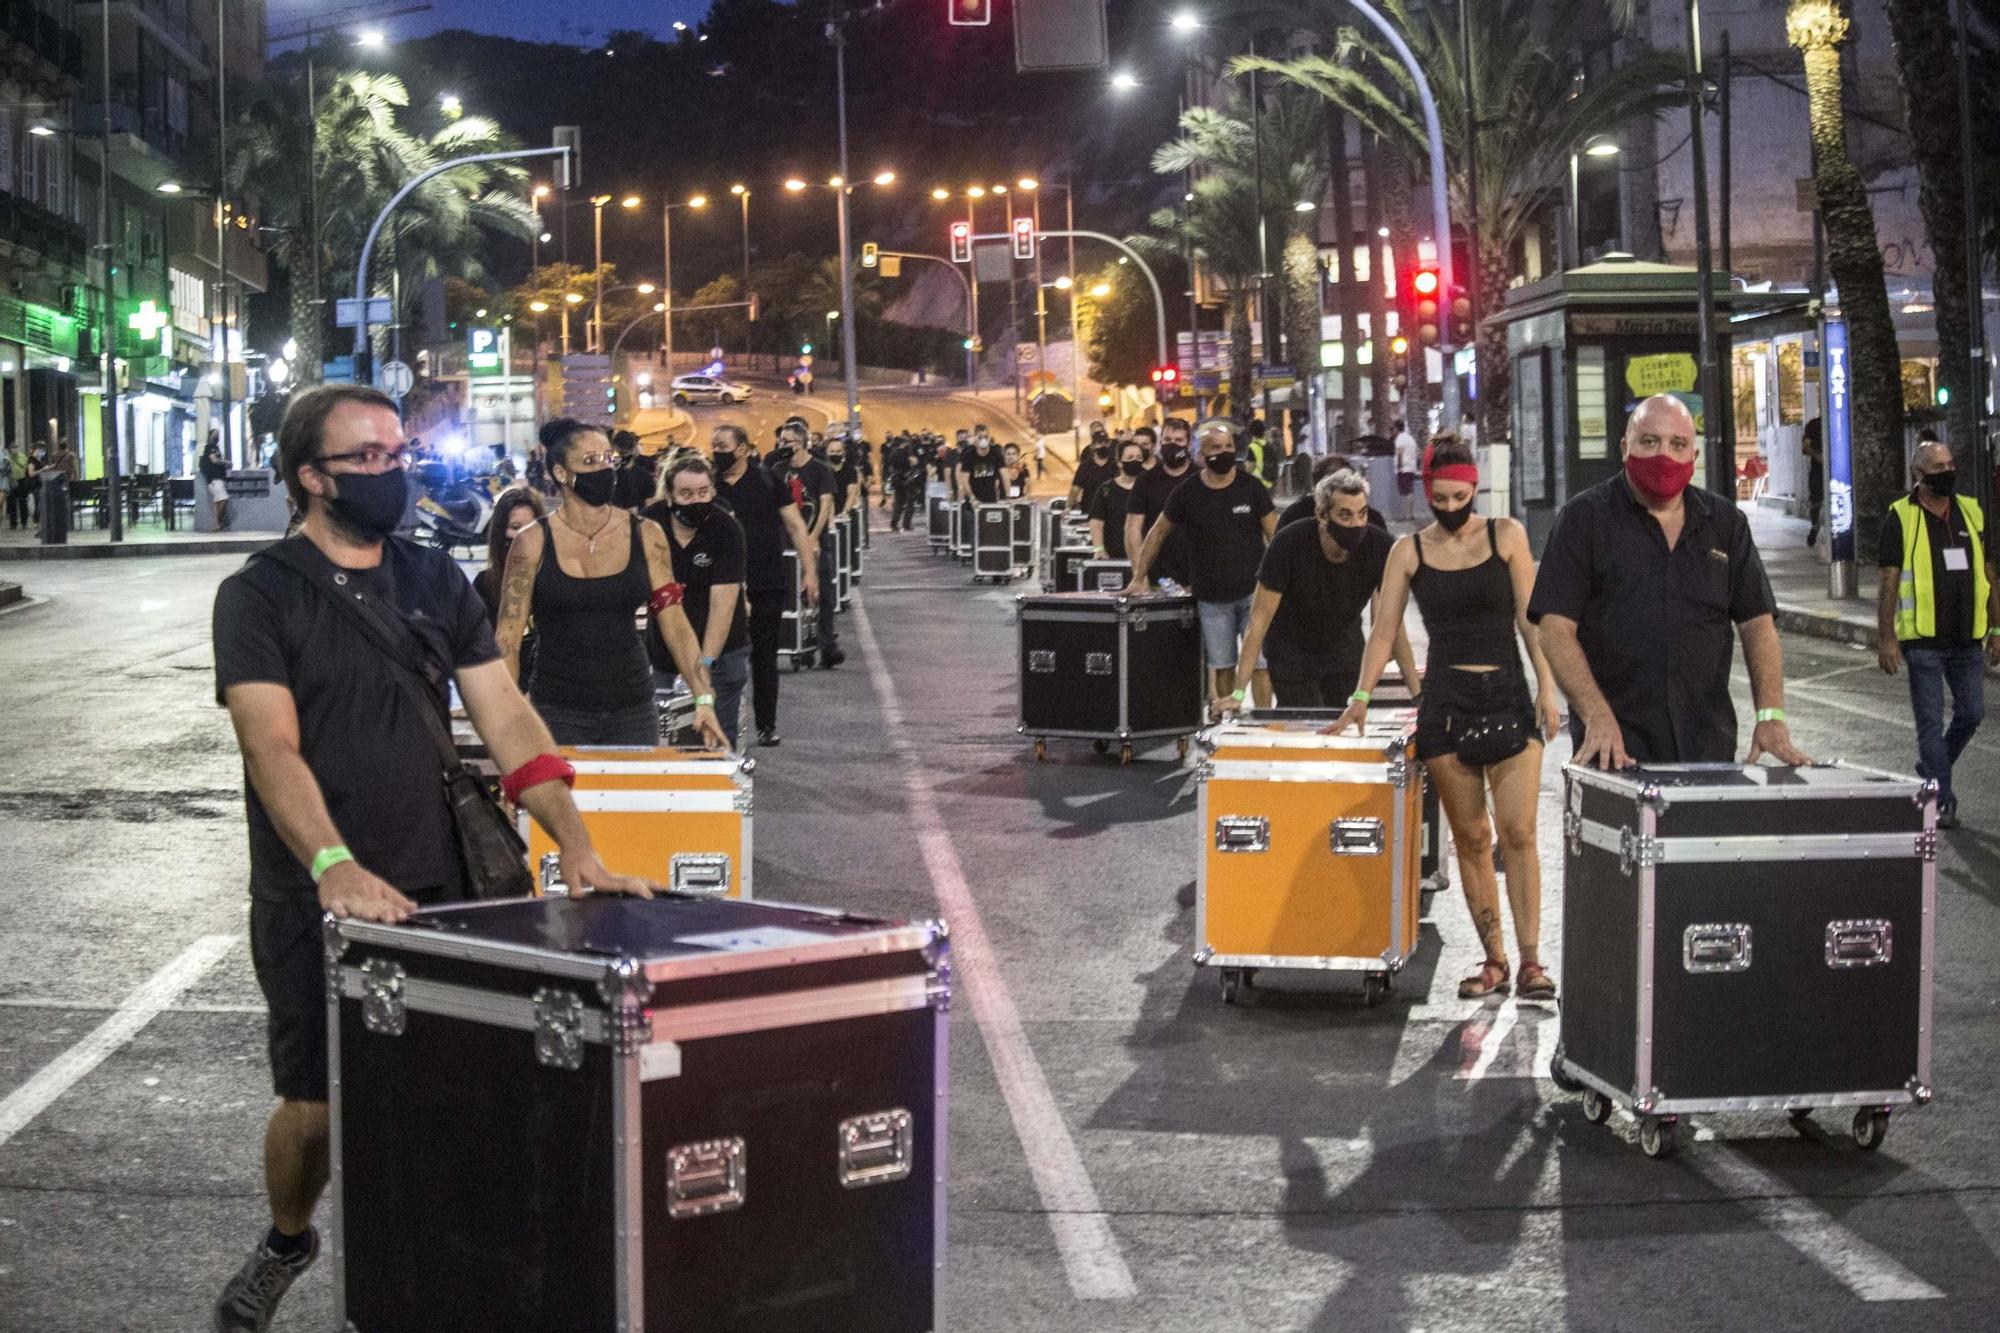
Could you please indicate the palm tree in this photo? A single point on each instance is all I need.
(1874, 364)
(1922, 33)
(1534, 114)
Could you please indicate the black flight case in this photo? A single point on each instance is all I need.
(1024, 536)
(992, 543)
(798, 640)
(841, 533)
(1390, 696)
(1105, 667)
(961, 531)
(1105, 575)
(937, 511)
(1065, 565)
(1743, 938)
(611, 1115)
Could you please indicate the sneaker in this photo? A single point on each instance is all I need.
(769, 736)
(250, 1300)
(832, 658)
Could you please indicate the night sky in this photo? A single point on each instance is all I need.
(534, 20)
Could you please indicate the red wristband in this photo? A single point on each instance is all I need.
(664, 596)
(542, 768)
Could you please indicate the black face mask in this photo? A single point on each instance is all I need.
(594, 488)
(1346, 538)
(1173, 455)
(372, 503)
(695, 513)
(1101, 452)
(1451, 520)
(1132, 467)
(782, 456)
(725, 460)
(1942, 484)
(1220, 464)
(836, 460)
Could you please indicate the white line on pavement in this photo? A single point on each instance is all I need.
(1847, 1258)
(1090, 1253)
(1900, 721)
(140, 1008)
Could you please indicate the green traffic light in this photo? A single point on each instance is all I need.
(805, 349)
(1943, 396)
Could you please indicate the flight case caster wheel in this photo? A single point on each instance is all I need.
(1234, 982)
(1801, 1121)
(1125, 753)
(1596, 1106)
(1559, 1073)
(1101, 747)
(1656, 1135)
(1041, 750)
(1373, 987)
(1870, 1128)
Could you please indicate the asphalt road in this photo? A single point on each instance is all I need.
(1127, 1153)
(884, 411)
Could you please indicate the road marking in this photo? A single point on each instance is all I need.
(1829, 675)
(1899, 720)
(140, 1008)
(1090, 1253)
(1847, 1258)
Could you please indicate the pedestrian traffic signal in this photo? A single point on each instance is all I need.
(870, 254)
(961, 242)
(969, 13)
(1024, 238)
(1424, 282)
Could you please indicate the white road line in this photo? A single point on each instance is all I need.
(1898, 720)
(140, 1008)
(1829, 675)
(1851, 1261)
(1090, 1253)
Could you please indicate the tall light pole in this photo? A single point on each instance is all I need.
(842, 188)
(1721, 470)
(220, 330)
(109, 398)
(742, 193)
(973, 194)
(837, 30)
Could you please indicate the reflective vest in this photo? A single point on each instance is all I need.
(1256, 452)
(1916, 591)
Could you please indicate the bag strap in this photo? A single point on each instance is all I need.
(376, 629)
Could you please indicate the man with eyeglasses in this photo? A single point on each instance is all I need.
(1643, 578)
(347, 812)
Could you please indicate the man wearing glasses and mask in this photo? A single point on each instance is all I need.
(346, 802)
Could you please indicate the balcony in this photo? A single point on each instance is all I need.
(146, 124)
(56, 44)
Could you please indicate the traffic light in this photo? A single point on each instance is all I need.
(961, 242)
(1424, 283)
(1024, 238)
(1463, 334)
(969, 13)
(1399, 345)
(753, 307)
(805, 349)
(870, 254)
(1166, 380)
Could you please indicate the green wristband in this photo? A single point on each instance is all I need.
(704, 701)
(328, 858)
(1770, 715)
(1359, 697)
(1240, 695)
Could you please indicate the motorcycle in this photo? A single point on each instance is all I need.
(453, 512)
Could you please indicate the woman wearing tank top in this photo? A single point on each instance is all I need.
(585, 574)
(1479, 732)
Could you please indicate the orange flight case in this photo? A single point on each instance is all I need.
(1309, 850)
(679, 817)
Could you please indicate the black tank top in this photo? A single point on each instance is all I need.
(589, 654)
(1468, 613)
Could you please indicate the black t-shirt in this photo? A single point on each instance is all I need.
(1225, 532)
(1303, 508)
(816, 480)
(373, 757)
(845, 477)
(638, 479)
(1951, 588)
(982, 474)
(1317, 630)
(908, 469)
(716, 555)
(1149, 501)
(758, 500)
(1109, 507)
(1090, 474)
(1657, 626)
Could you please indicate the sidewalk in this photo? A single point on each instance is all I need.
(141, 539)
(1799, 581)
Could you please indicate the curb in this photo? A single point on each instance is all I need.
(1819, 625)
(135, 550)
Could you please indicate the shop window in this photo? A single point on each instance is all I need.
(1593, 408)
(1791, 382)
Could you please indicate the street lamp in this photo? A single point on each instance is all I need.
(1597, 145)
(667, 208)
(842, 188)
(1186, 21)
(370, 39)
(742, 193)
(1124, 81)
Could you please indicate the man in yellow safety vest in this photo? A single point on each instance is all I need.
(1938, 604)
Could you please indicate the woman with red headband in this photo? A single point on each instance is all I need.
(583, 574)
(1479, 731)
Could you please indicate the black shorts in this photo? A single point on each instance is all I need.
(1451, 692)
(288, 951)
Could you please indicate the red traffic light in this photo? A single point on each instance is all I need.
(961, 242)
(1024, 238)
(969, 13)
(1166, 376)
(1425, 282)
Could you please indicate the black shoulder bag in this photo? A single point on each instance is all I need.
(490, 849)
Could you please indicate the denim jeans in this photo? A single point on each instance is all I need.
(727, 678)
(1222, 626)
(1931, 670)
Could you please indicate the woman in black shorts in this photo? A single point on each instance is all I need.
(1479, 731)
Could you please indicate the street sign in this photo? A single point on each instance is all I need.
(892, 266)
(482, 352)
(1026, 353)
(1839, 444)
(395, 379)
(351, 311)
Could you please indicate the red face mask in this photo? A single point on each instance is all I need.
(1658, 477)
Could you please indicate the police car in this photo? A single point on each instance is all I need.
(708, 389)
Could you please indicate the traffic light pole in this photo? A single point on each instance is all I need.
(1159, 301)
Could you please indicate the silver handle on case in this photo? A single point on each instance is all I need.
(699, 872)
(1866, 942)
(876, 1149)
(706, 1177)
(1356, 837)
(1097, 664)
(551, 876)
(1041, 661)
(1242, 833)
(1716, 947)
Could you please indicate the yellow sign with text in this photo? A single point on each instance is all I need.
(1664, 372)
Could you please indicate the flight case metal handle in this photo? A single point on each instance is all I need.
(1097, 664)
(699, 872)
(875, 1149)
(1866, 942)
(1716, 947)
(705, 1177)
(1041, 661)
(551, 876)
(1356, 837)
(1242, 833)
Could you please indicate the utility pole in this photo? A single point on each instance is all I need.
(837, 31)
(1979, 449)
(1721, 470)
(219, 338)
(113, 469)
(1472, 200)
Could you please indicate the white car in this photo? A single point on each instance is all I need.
(708, 389)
